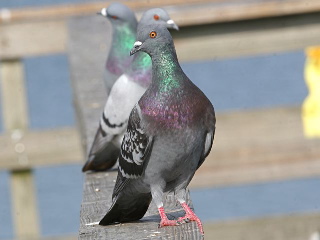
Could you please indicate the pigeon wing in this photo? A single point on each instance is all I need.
(209, 136)
(135, 151)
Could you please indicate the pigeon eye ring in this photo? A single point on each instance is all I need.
(156, 17)
(153, 34)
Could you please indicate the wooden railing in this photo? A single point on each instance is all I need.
(210, 29)
(22, 149)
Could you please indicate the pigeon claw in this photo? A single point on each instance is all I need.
(182, 220)
(164, 219)
(192, 217)
(167, 222)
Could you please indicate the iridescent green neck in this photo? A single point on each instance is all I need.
(122, 41)
(142, 61)
(167, 73)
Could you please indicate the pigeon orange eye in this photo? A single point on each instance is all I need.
(156, 17)
(114, 17)
(153, 34)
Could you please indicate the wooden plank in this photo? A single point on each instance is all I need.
(15, 114)
(69, 10)
(13, 95)
(258, 146)
(24, 204)
(293, 227)
(32, 38)
(246, 38)
(97, 199)
(28, 149)
(235, 10)
(46, 33)
(211, 11)
(222, 40)
(64, 237)
(89, 97)
(86, 69)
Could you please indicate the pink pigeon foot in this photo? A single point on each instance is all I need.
(190, 216)
(164, 219)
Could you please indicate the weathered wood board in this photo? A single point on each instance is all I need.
(34, 38)
(221, 26)
(28, 149)
(87, 57)
(97, 200)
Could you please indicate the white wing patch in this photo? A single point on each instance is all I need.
(123, 96)
(208, 143)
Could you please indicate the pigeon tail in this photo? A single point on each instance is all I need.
(103, 160)
(127, 208)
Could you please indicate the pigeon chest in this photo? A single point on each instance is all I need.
(173, 115)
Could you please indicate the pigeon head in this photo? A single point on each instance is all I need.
(158, 16)
(118, 14)
(152, 38)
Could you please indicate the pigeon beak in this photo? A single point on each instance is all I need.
(136, 47)
(172, 24)
(103, 12)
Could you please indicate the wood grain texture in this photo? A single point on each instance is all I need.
(29, 149)
(87, 71)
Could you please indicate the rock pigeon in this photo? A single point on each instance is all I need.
(124, 27)
(170, 133)
(124, 94)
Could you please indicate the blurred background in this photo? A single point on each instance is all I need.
(252, 58)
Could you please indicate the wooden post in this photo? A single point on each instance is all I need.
(15, 117)
(24, 204)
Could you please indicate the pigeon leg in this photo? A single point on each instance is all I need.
(157, 194)
(164, 219)
(190, 216)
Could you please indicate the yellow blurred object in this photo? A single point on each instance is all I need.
(311, 105)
